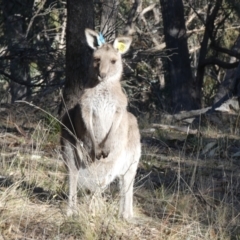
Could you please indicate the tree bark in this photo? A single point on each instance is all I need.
(80, 15)
(208, 34)
(182, 82)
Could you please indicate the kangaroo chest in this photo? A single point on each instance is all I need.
(103, 109)
(102, 105)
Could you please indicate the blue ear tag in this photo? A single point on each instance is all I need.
(100, 39)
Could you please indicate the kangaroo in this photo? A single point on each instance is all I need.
(100, 139)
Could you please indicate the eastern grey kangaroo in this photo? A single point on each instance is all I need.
(101, 126)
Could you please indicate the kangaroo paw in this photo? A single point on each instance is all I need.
(105, 154)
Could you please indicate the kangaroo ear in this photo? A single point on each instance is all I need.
(91, 37)
(122, 44)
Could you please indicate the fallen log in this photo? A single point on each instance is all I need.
(225, 105)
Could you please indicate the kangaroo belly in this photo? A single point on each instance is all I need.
(98, 175)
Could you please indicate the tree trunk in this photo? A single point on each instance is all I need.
(80, 15)
(182, 82)
(108, 19)
(208, 34)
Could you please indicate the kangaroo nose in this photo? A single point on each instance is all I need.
(102, 74)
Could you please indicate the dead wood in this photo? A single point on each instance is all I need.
(176, 128)
(188, 116)
(227, 105)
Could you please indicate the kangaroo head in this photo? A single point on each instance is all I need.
(106, 62)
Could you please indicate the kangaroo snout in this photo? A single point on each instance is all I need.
(102, 76)
(103, 70)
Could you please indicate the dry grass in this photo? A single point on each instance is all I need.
(180, 193)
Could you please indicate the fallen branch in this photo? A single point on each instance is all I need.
(176, 128)
(185, 115)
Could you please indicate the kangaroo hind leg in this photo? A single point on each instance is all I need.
(126, 192)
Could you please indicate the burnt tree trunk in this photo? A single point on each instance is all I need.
(80, 15)
(179, 69)
(208, 35)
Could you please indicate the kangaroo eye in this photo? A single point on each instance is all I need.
(113, 61)
(97, 60)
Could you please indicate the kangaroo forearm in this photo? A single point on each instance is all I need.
(113, 132)
(89, 126)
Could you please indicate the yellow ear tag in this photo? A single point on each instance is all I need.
(121, 47)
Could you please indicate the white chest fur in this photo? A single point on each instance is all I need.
(102, 104)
